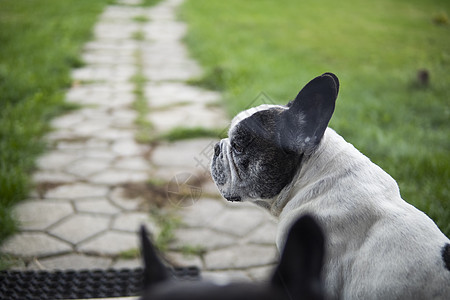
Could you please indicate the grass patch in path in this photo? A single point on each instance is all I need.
(376, 48)
(150, 2)
(185, 133)
(145, 127)
(40, 43)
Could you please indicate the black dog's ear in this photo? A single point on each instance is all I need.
(154, 270)
(298, 272)
(303, 124)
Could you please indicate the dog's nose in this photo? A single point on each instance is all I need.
(217, 149)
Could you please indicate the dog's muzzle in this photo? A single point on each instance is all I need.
(220, 178)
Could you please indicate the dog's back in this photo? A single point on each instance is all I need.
(405, 256)
(378, 245)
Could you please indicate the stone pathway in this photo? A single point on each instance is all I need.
(96, 184)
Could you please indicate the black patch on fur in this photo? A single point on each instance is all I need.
(446, 256)
(275, 167)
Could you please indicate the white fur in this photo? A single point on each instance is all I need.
(249, 112)
(378, 246)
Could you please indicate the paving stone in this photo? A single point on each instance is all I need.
(111, 45)
(80, 227)
(85, 167)
(38, 214)
(189, 116)
(55, 160)
(118, 12)
(164, 11)
(101, 57)
(78, 92)
(102, 154)
(77, 190)
(93, 113)
(241, 221)
(119, 197)
(52, 176)
(203, 213)
(113, 134)
(123, 118)
(187, 153)
(75, 145)
(96, 206)
(240, 256)
(165, 31)
(75, 262)
(115, 31)
(200, 237)
(170, 93)
(173, 65)
(110, 243)
(67, 120)
(102, 96)
(180, 72)
(127, 147)
(114, 74)
(184, 260)
(132, 221)
(161, 53)
(264, 234)
(168, 174)
(34, 244)
(117, 100)
(132, 163)
(88, 126)
(63, 134)
(115, 177)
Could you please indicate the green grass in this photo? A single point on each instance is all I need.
(183, 133)
(130, 254)
(40, 43)
(150, 2)
(192, 250)
(375, 47)
(141, 19)
(144, 131)
(168, 222)
(139, 36)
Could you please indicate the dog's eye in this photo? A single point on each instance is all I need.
(236, 148)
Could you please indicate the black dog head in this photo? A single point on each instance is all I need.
(297, 275)
(266, 144)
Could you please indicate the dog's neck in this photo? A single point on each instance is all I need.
(331, 160)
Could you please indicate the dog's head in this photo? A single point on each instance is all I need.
(297, 275)
(266, 144)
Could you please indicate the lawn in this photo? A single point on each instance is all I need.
(376, 48)
(40, 42)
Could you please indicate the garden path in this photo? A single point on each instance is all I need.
(95, 182)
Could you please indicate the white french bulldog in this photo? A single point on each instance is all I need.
(286, 159)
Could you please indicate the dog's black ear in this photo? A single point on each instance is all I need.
(298, 272)
(154, 270)
(303, 124)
